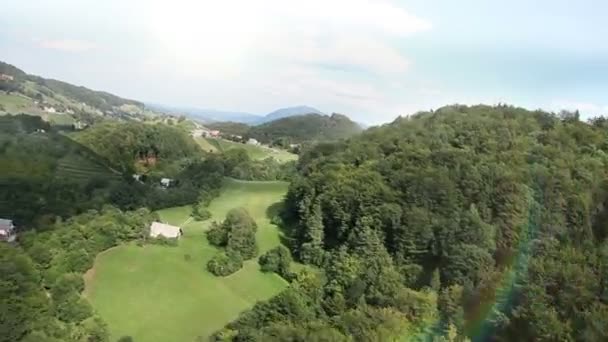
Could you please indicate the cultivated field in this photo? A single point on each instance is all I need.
(158, 293)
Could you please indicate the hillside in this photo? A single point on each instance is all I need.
(496, 214)
(47, 173)
(305, 128)
(287, 112)
(62, 103)
(140, 147)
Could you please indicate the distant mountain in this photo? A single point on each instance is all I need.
(289, 111)
(305, 128)
(208, 115)
(213, 115)
(48, 98)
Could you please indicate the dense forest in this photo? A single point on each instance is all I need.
(42, 280)
(482, 223)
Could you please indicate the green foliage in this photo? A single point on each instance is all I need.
(277, 260)
(236, 233)
(304, 128)
(57, 311)
(449, 200)
(132, 144)
(223, 264)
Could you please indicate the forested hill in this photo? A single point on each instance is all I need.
(305, 128)
(499, 212)
(138, 147)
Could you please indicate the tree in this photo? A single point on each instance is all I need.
(276, 260)
(223, 264)
(217, 235)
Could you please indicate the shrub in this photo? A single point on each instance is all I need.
(217, 235)
(276, 260)
(200, 213)
(223, 264)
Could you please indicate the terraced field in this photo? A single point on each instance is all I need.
(79, 169)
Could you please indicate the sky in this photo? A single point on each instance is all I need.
(372, 60)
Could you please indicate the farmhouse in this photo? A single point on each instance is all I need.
(252, 141)
(50, 109)
(7, 230)
(5, 77)
(214, 133)
(161, 229)
(166, 182)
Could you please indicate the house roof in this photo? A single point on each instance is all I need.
(163, 229)
(5, 223)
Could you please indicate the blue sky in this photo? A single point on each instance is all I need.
(372, 60)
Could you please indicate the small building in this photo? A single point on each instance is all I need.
(252, 141)
(6, 77)
(50, 109)
(7, 230)
(79, 125)
(165, 230)
(166, 182)
(214, 133)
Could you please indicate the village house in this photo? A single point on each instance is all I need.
(252, 141)
(50, 109)
(166, 182)
(7, 230)
(5, 77)
(214, 133)
(165, 230)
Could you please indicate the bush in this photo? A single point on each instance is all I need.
(217, 235)
(200, 213)
(276, 260)
(223, 264)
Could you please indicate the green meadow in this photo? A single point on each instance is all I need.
(162, 293)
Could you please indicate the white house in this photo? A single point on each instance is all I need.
(7, 230)
(50, 109)
(166, 230)
(166, 182)
(252, 141)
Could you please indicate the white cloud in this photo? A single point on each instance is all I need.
(68, 45)
(226, 37)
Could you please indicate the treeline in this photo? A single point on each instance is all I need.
(468, 222)
(42, 278)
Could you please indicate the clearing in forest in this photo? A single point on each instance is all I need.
(161, 293)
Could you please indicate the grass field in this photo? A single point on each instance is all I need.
(15, 104)
(159, 293)
(254, 152)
